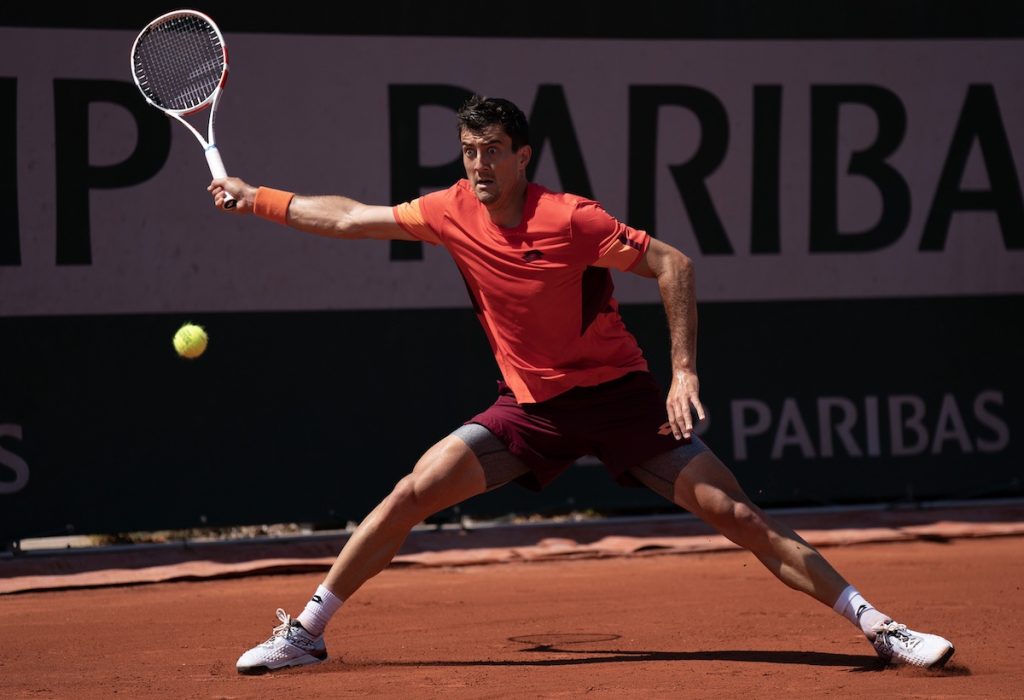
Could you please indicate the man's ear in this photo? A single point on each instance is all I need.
(524, 154)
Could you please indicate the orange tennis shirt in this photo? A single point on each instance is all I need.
(541, 290)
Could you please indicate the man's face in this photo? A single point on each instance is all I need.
(492, 167)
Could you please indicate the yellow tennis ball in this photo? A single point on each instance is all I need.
(190, 341)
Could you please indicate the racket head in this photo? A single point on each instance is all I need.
(180, 62)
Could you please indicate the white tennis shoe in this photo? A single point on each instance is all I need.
(899, 645)
(290, 645)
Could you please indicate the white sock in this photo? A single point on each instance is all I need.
(319, 611)
(853, 607)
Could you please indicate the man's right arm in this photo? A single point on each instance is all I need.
(330, 215)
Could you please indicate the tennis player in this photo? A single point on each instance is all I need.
(536, 264)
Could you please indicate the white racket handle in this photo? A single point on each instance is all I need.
(218, 171)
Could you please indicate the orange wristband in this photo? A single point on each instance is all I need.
(272, 204)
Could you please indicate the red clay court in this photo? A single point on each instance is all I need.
(604, 609)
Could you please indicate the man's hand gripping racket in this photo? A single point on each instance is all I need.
(180, 64)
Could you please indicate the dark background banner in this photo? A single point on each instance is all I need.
(311, 417)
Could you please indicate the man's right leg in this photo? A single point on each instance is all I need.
(447, 474)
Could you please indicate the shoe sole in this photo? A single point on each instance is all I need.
(307, 660)
(939, 663)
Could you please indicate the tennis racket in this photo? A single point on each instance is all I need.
(180, 64)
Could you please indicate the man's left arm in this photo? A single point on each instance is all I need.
(674, 272)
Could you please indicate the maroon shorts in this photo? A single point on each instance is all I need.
(622, 422)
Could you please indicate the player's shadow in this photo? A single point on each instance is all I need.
(607, 656)
(559, 644)
(854, 663)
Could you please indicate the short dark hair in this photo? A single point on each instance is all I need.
(478, 113)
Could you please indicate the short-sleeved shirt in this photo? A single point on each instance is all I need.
(542, 290)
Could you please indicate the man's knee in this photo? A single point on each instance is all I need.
(402, 508)
(404, 496)
(736, 515)
(448, 473)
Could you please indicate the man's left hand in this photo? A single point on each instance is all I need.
(684, 392)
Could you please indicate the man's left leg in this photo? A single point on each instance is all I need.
(692, 477)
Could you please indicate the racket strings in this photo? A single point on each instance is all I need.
(179, 63)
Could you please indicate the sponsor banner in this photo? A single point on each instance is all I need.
(788, 169)
(313, 416)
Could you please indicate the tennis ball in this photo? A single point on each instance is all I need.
(190, 341)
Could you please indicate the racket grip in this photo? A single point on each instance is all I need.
(218, 171)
